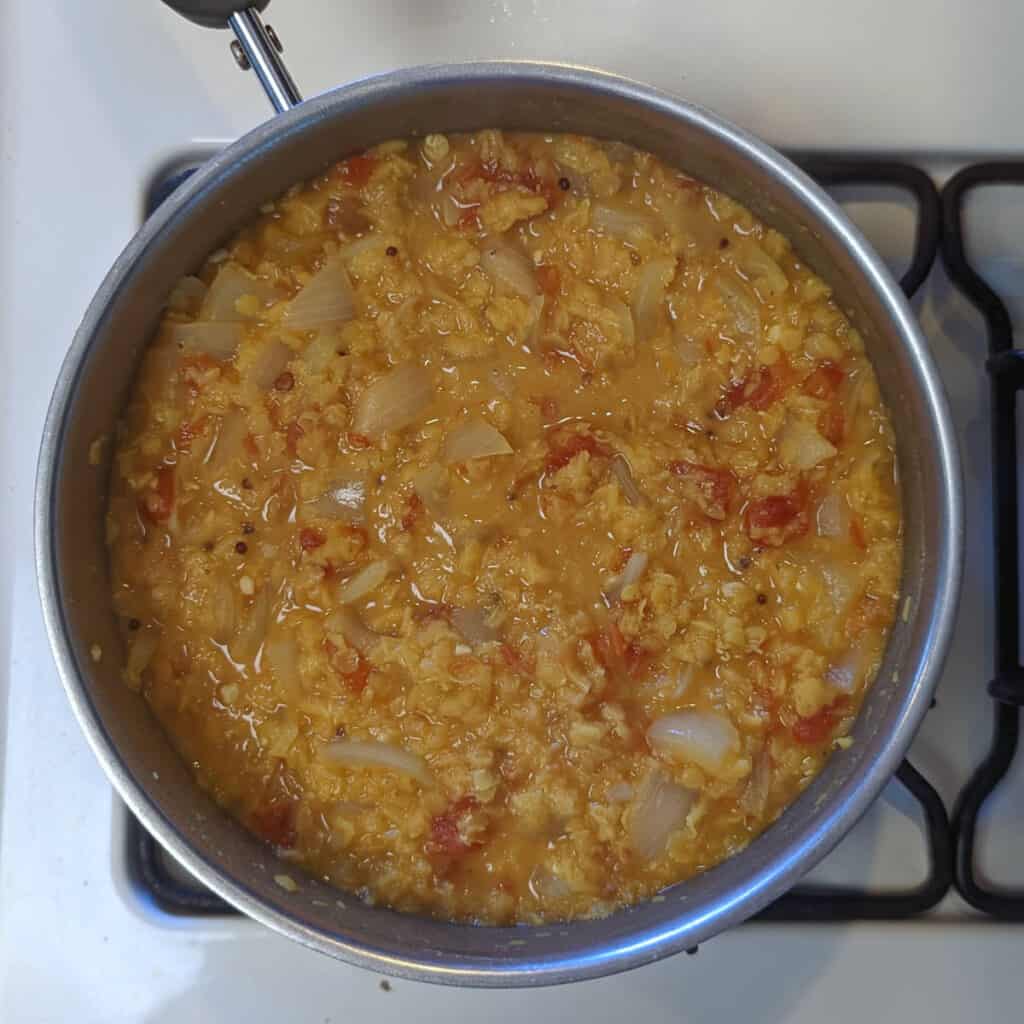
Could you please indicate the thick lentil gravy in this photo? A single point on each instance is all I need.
(505, 526)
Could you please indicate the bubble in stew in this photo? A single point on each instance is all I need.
(504, 526)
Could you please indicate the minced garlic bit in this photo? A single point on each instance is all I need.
(247, 586)
(286, 882)
(96, 652)
(96, 450)
(843, 742)
(435, 147)
(229, 693)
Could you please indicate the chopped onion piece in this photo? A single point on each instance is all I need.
(451, 212)
(800, 445)
(703, 737)
(845, 675)
(364, 582)
(691, 352)
(632, 572)
(321, 350)
(624, 476)
(509, 269)
(649, 297)
(840, 581)
(357, 634)
(253, 629)
(393, 401)
(625, 318)
(545, 885)
(326, 298)
(474, 439)
(141, 648)
(187, 296)
(472, 624)
(624, 224)
(759, 785)
(269, 363)
(620, 792)
(766, 274)
(661, 807)
(371, 754)
(229, 445)
(371, 243)
(232, 284)
(733, 293)
(204, 337)
(282, 655)
(431, 484)
(345, 500)
(833, 519)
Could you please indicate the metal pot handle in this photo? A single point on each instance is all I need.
(255, 46)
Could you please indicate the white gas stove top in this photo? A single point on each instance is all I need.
(96, 98)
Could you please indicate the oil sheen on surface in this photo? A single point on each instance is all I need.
(504, 527)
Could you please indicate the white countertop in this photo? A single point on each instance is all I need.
(94, 97)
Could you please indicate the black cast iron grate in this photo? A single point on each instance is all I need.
(1006, 373)
(148, 863)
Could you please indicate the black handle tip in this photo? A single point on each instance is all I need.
(213, 13)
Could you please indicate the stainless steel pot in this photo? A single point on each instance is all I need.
(98, 372)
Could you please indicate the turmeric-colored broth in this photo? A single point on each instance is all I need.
(504, 527)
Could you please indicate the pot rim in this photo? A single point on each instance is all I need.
(773, 877)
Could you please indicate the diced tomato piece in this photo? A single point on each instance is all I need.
(867, 612)
(357, 678)
(515, 660)
(158, 503)
(711, 488)
(445, 836)
(310, 539)
(188, 432)
(356, 170)
(548, 407)
(251, 447)
(292, 435)
(610, 647)
(433, 612)
(469, 218)
(817, 727)
(759, 390)
(767, 389)
(358, 440)
(773, 512)
(275, 823)
(635, 659)
(832, 424)
(492, 173)
(549, 278)
(857, 533)
(615, 654)
(413, 510)
(824, 381)
(565, 450)
(780, 517)
(354, 678)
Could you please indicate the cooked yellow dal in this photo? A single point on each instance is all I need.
(504, 526)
